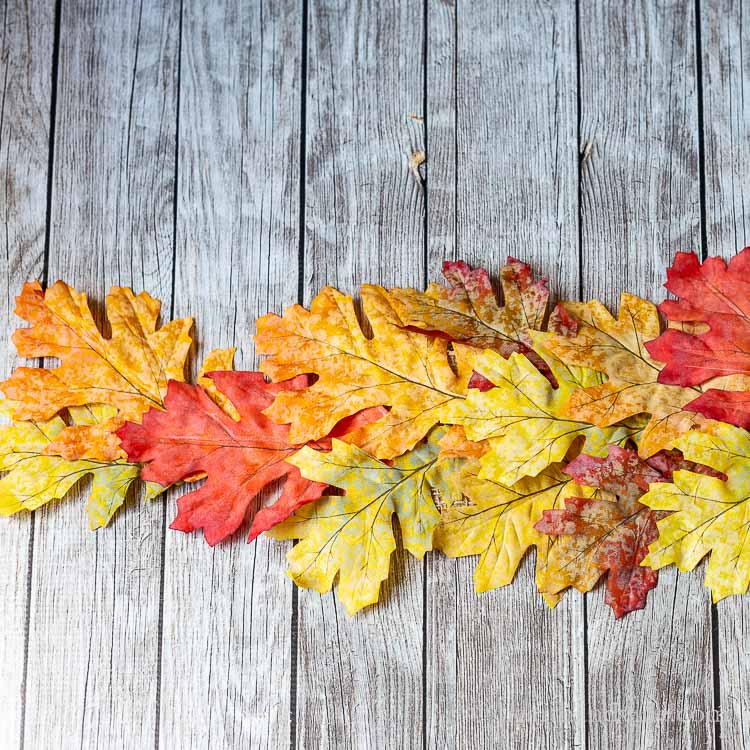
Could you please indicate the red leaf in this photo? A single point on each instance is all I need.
(193, 435)
(714, 293)
(598, 535)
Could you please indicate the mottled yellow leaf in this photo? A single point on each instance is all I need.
(129, 370)
(218, 360)
(497, 522)
(351, 536)
(407, 371)
(34, 478)
(523, 418)
(710, 515)
(615, 347)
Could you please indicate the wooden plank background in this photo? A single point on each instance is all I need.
(232, 158)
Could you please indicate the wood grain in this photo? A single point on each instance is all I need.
(725, 39)
(25, 103)
(93, 635)
(226, 674)
(360, 679)
(650, 674)
(502, 669)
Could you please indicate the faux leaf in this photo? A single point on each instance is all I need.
(468, 311)
(406, 371)
(497, 522)
(351, 536)
(708, 515)
(716, 294)
(194, 435)
(35, 478)
(604, 534)
(523, 418)
(217, 360)
(616, 347)
(128, 371)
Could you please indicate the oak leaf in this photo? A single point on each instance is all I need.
(468, 311)
(351, 536)
(35, 478)
(607, 533)
(497, 522)
(407, 371)
(194, 435)
(717, 295)
(616, 348)
(523, 419)
(129, 370)
(707, 515)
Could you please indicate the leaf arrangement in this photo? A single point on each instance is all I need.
(439, 420)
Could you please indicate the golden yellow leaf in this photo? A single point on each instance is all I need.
(709, 515)
(128, 371)
(407, 371)
(615, 347)
(497, 522)
(523, 418)
(218, 360)
(34, 478)
(351, 536)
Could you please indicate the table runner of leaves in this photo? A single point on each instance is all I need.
(444, 419)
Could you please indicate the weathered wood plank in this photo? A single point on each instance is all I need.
(502, 669)
(725, 41)
(226, 673)
(26, 49)
(649, 675)
(93, 642)
(360, 679)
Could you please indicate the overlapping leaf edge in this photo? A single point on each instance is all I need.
(480, 414)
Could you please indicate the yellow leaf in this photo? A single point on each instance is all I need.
(455, 444)
(710, 515)
(34, 478)
(523, 418)
(218, 359)
(616, 348)
(407, 371)
(128, 371)
(351, 536)
(497, 523)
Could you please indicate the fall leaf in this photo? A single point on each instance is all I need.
(607, 533)
(406, 371)
(716, 294)
(195, 435)
(468, 311)
(351, 536)
(94, 434)
(497, 522)
(616, 347)
(708, 515)
(218, 360)
(523, 417)
(35, 478)
(128, 371)
(455, 444)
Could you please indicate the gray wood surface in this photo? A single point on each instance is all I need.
(650, 676)
(226, 656)
(26, 48)
(232, 158)
(504, 176)
(725, 38)
(359, 680)
(92, 650)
